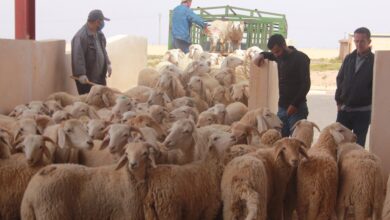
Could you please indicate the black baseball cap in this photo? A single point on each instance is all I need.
(96, 15)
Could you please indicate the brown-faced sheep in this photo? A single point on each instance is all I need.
(304, 131)
(254, 185)
(317, 178)
(386, 207)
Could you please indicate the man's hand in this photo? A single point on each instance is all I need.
(83, 79)
(291, 110)
(109, 70)
(258, 60)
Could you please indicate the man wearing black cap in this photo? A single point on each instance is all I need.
(90, 61)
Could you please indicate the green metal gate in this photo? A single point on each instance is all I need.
(259, 25)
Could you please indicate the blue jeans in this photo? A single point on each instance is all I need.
(181, 44)
(357, 121)
(289, 121)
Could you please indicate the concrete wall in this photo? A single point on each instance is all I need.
(31, 70)
(128, 55)
(263, 86)
(380, 120)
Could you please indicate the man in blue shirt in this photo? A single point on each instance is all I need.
(182, 19)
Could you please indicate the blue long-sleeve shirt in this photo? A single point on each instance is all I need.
(182, 19)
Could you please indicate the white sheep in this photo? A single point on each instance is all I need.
(16, 172)
(96, 128)
(262, 118)
(195, 51)
(158, 113)
(101, 96)
(197, 86)
(5, 145)
(17, 111)
(158, 98)
(69, 191)
(183, 112)
(234, 112)
(259, 180)
(80, 109)
(139, 93)
(220, 95)
(239, 92)
(226, 77)
(122, 105)
(148, 77)
(218, 33)
(317, 178)
(174, 56)
(69, 137)
(206, 118)
(52, 106)
(60, 116)
(235, 34)
(361, 183)
(169, 196)
(171, 85)
(65, 99)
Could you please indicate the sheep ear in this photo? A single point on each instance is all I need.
(92, 113)
(17, 135)
(296, 124)
(246, 91)
(278, 149)
(106, 101)
(61, 138)
(337, 136)
(105, 142)
(166, 98)
(46, 152)
(303, 152)
(122, 162)
(43, 122)
(152, 152)
(261, 124)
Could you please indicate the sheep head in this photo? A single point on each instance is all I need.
(100, 96)
(158, 113)
(243, 133)
(34, 147)
(80, 109)
(339, 133)
(289, 150)
(180, 134)
(158, 98)
(73, 134)
(96, 128)
(118, 135)
(207, 118)
(221, 140)
(122, 105)
(266, 120)
(60, 116)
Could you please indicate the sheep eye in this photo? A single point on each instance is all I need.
(216, 138)
(68, 130)
(101, 129)
(21, 129)
(209, 119)
(145, 154)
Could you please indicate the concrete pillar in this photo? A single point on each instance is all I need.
(380, 120)
(263, 86)
(344, 48)
(25, 19)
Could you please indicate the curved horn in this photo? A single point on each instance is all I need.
(316, 126)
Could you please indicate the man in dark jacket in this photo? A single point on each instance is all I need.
(294, 80)
(354, 86)
(89, 56)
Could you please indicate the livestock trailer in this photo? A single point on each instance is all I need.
(259, 25)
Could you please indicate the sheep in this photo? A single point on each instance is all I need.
(182, 101)
(235, 34)
(60, 116)
(122, 105)
(171, 85)
(234, 112)
(158, 98)
(80, 109)
(218, 32)
(303, 130)
(148, 77)
(128, 115)
(270, 136)
(239, 92)
(139, 93)
(206, 118)
(195, 51)
(361, 184)
(183, 135)
(173, 56)
(200, 201)
(144, 120)
(260, 179)
(195, 68)
(35, 125)
(16, 172)
(101, 96)
(117, 137)
(231, 62)
(183, 113)
(69, 191)
(386, 207)
(251, 52)
(226, 77)
(212, 58)
(262, 118)
(65, 99)
(69, 136)
(243, 133)
(220, 95)
(5, 145)
(317, 178)
(221, 140)
(96, 128)
(197, 86)
(17, 111)
(39, 107)
(158, 113)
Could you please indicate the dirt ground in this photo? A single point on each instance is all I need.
(325, 80)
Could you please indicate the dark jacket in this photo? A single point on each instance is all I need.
(84, 55)
(354, 89)
(294, 77)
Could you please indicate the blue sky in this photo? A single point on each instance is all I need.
(311, 24)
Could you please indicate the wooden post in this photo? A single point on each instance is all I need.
(25, 19)
(380, 120)
(263, 86)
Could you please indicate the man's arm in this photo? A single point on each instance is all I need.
(194, 18)
(339, 81)
(304, 78)
(78, 59)
(269, 56)
(258, 60)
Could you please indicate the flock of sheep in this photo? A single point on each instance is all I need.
(182, 144)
